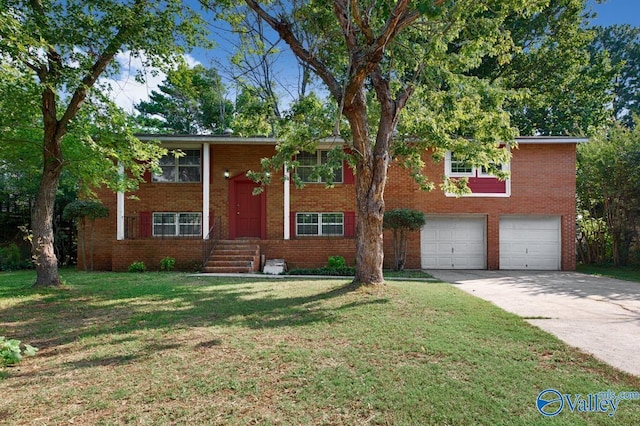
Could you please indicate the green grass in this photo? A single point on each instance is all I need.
(628, 273)
(160, 348)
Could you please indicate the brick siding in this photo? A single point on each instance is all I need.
(542, 183)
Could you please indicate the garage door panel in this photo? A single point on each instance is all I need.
(453, 243)
(530, 242)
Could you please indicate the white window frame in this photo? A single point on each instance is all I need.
(320, 224)
(319, 161)
(476, 172)
(178, 224)
(177, 167)
(451, 161)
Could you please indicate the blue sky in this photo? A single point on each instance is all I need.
(128, 92)
(617, 12)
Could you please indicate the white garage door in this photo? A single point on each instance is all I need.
(453, 243)
(530, 243)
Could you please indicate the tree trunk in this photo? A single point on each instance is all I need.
(43, 252)
(43, 209)
(371, 178)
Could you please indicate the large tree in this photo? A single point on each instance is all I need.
(189, 101)
(608, 184)
(622, 44)
(403, 69)
(564, 85)
(67, 46)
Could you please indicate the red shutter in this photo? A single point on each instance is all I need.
(349, 224)
(347, 174)
(147, 176)
(144, 226)
(292, 224)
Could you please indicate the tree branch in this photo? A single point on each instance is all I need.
(283, 28)
(104, 59)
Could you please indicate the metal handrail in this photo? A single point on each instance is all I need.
(213, 236)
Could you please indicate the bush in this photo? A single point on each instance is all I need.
(347, 271)
(12, 352)
(11, 259)
(336, 262)
(167, 264)
(401, 221)
(335, 266)
(137, 266)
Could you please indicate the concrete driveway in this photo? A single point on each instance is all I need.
(598, 315)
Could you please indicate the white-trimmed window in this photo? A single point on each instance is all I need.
(481, 182)
(485, 173)
(320, 224)
(179, 168)
(170, 224)
(458, 166)
(308, 161)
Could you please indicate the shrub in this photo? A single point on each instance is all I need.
(336, 266)
(11, 351)
(11, 259)
(401, 221)
(336, 262)
(137, 266)
(167, 264)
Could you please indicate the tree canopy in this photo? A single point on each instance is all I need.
(189, 101)
(622, 44)
(67, 46)
(408, 77)
(608, 185)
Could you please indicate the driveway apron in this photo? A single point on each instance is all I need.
(598, 315)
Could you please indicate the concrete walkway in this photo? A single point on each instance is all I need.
(598, 315)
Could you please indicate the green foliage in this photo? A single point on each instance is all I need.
(167, 264)
(608, 186)
(401, 221)
(12, 351)
(137, 266)
(622, 45)
(190, 101)
(64, 48)
(253, 115)
(85, 209)
(336, 262)
(346, 271)
(81, 211)
(11, 258)
(403, 218)
(336, 266)
(560, 86)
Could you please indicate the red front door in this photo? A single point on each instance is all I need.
(247, 210)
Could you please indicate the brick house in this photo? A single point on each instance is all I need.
(203, 199)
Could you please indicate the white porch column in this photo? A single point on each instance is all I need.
(206, 179)
(287, 206)
(120, 209)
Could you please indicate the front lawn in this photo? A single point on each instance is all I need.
(160, 348)
(628, 273)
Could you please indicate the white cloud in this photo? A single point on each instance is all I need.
(126, 91)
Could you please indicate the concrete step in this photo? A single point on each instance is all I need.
(227, 270)
(233, 256)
